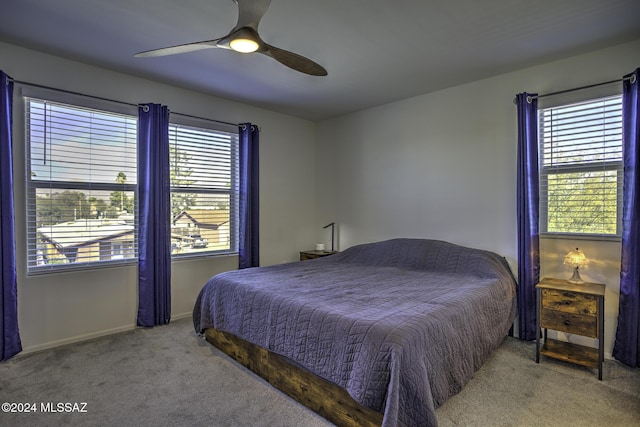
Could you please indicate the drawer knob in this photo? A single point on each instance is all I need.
(567, 322)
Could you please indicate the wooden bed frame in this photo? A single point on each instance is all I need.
(325, 398)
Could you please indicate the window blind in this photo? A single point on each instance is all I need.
(581, 167)
(81, 185)
(204, 189)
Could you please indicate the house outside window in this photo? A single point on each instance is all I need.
(580, 159)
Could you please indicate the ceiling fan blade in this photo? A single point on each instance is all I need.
(295, 61)
(181, 48)
(250, 12)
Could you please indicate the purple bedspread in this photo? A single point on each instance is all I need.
(402, 325)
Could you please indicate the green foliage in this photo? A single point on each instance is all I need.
(582, 202)
(61, 207)
(119, 199)
(121, 202)
(99, 208)
(179, 176)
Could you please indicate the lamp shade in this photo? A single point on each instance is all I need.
(576, 258)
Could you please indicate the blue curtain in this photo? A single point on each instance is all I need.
(528, 215)
(627, 344)
(249, 233)
(10, 343)
(154, 210)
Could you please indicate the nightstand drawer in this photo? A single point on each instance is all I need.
(569, 322)
(570, 302)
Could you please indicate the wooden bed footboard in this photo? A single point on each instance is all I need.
(325, 398)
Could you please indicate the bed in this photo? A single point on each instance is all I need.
(397, 326)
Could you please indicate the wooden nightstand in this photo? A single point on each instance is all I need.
(575, 309)
(304, 255)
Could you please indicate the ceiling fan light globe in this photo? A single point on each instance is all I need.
(243, 45)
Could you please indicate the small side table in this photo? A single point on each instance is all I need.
(574, 308)
(304, 255)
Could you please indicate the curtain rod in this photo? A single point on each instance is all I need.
(560, 92)
(112, 100)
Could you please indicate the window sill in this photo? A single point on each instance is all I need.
(588, 237)
(81, 267)
(129, 262)
(201, 255)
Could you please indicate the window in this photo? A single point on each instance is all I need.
(581, 168)
(81, 179)
(204, 190)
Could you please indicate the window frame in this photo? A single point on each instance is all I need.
(584, 167)
(233, 190)
(31, 186)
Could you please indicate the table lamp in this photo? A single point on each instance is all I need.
(576, 259)
(332, 225)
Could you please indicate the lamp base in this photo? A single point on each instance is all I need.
(576, 277)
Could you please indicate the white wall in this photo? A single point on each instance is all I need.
(443, 166)
(60, 308)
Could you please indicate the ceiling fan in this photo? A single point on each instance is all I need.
(244, 38)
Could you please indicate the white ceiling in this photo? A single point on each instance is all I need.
(375, 51)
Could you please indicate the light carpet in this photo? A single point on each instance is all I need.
(168, 376)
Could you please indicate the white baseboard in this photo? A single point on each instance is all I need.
(79, 338)
(181, 316)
